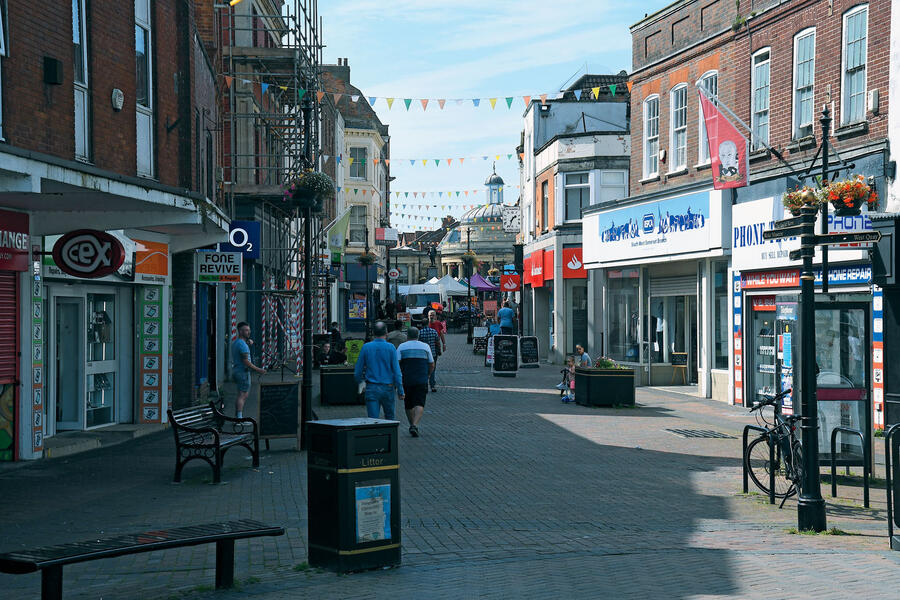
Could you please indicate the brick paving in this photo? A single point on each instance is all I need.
(507, 494)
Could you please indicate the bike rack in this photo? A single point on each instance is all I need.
(747, 429)
(890, 481)
(867, 465)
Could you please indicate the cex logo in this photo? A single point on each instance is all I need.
(88, 253)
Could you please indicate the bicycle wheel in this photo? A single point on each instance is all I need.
(756, 461)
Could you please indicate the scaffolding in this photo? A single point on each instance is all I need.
(271, 52)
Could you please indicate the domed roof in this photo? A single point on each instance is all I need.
(487, 213)
(494, 179)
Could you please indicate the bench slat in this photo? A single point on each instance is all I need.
(28, 561)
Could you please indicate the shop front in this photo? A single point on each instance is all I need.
(661, 265)
(14, 245)
(766, 334)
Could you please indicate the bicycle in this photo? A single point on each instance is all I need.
(788, 451)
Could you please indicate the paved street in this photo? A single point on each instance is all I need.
(507, 494)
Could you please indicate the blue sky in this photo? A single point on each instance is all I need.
(469, 49)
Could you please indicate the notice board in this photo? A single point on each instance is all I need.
(506, 355)
(279, 409)
(528, 351)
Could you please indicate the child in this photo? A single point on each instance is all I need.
(567, 385)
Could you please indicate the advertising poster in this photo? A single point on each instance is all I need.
(357, 306)
(373, 511)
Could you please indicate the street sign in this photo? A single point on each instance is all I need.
(394, 274)
(795, 255)
(848, 238)
(777, 234)
(219, 267)
(243, 237)
(792, 222)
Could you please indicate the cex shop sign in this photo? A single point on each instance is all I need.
(219, 267)
(88, 253)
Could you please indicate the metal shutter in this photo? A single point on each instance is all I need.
(9, 329)
(673, 286)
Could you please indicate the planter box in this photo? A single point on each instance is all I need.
(337, 386)
(604, 387)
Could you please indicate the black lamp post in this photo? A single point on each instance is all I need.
(306, 395)
(469, 264)
(368, 288)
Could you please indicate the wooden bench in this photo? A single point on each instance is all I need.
(51, 559)
(205, 433)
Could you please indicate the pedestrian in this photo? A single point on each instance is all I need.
(390, 309)
(506, 317)
(379, 311)
(584, 359)
(416, 364)
(378, 366)
(430, 337)
(336, 342)
(241, 367)
(397, 336)
(440, 328)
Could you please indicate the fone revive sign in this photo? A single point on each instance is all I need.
(219, 267)
(88, 253)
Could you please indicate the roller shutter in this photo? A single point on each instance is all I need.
(9, 328)
(673, 286)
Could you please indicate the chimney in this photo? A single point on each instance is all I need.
(340, 71)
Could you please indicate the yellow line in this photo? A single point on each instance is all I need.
(358, 470)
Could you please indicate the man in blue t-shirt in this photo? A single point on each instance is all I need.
(416, 364)
(241, 367)
(378, 366)
(506, 317)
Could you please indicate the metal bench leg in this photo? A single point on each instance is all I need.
(224, 564)
(51, 583)
(178, 467)
(217, 467)
(256, 451)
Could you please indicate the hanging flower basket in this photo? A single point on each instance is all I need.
(848, 196)
(366, 259)
(797, 199)
(310, 190)
(469, 257)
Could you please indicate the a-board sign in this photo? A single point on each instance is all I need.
(405, 318)
(279, 409)
(489, 352)
(352, 350)
(479, 339)
(528, 351)
(506, 355)
(479, 332)
(678, 359)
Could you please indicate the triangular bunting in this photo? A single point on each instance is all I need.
(320, 95)
(543, 98)
(355, 97)
(407, 102)
(527, 100)
(437, 162)
(300, 93)
(336, 97)
(629, 84)
(441, 102)
(612, 88)
(424, 102)
(596, 92)
(387, 161)
(461, 160)
(449, 160)
(412, 162)
(522, 156)
(493, 102)
(228, 81)
(509, 100)
(578, 95)
(424, 162)
(372, 100)
(476, 101)
(390, 102)
(351, 160)
(282, 88)
(509, 157)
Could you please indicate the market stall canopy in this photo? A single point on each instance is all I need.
(452, 287)
(433, 280)
(483, 285)
(423, 288)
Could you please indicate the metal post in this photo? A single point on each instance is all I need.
(811, 505)
(825, 120)
(469, 264)
(368, 290)
(306, 387)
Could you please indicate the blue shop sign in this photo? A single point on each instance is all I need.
(243, 237)
(846, 275)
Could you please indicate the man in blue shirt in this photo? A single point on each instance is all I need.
(506, 317)
(378, 366)
(416, 363)
(241, 366)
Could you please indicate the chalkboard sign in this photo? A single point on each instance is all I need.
(528, 351)
(479, 340)
(279, 409)
(679, 359)
(506, 355)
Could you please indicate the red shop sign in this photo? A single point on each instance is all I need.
(763, 303)
(537, 268)
(526, 270)
(509, 283)
(13, 241)
(573, 265)
(789, 278)
(88, 253)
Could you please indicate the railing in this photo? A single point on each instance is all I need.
(745, 460)
(891, 480)
(867, 461)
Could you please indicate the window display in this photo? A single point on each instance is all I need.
(762, 329)
(624, 319)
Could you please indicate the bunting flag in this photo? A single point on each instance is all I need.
(527, 100)
(228, 81)
(407, 102)
(424, 102)
(543, 98)
(578, 95)
(372, 100)
(476, 101)
(596, 92)
(629, 84)
(612, 88)
(263, 88)
(441, 102)
(390, 102)
(320, 95)
(493, 102)
(336, 97)
(509, 100)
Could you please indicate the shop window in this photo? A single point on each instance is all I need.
(760, 98)
(623, 289)
(853, 89)
(722, 319)
(804, 82)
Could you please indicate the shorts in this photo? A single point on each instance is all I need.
(242, 379)
(414, 395)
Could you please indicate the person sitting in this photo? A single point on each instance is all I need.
(329, 356)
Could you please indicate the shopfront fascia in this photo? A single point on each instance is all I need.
(659, 262)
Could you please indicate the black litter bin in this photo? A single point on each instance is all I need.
(354, 494)
(338, 386)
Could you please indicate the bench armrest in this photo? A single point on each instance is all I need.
(226, 419)
(200, 430)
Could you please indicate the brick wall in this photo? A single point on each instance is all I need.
(539, 221)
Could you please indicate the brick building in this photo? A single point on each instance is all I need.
(103, 120)
(678, 260)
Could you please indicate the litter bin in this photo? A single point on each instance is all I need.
(338, 386)
(354, 494)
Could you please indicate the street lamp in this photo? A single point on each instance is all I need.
(368, 287)
(469, 262)
(306, 107)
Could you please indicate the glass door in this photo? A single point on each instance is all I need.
(68, 352)
(101, 368)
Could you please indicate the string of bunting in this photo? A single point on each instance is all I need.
(440, 102)
(425, 161)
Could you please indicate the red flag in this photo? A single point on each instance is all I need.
(728, 149)
(509, 283)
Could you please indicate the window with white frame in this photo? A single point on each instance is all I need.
(143, 96)
(678, 120)
(760, 98)
(804, 82)
(710, 84)
(358, 163)
(853, 87)
(577, 194)
(358, 215)
(613, 186)
(80, 77)
(651, 136)
(545, 205)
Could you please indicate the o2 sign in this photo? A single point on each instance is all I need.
(88, 253)
(243, 237)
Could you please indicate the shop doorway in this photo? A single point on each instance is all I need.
(67, 341)
(672, 340)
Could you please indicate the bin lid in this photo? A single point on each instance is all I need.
(356, 422)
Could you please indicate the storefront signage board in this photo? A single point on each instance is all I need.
(573, 265)
(218, 267)
(509, 283)
(88, 253)
(13, 241)
(243, 237)
(151, 263)
(790, 278)
(537, 268)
